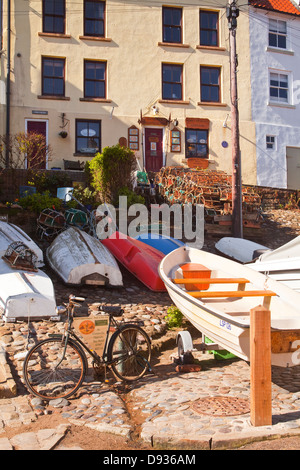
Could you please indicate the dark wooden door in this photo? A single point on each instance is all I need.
(37, 158)
(153, 149)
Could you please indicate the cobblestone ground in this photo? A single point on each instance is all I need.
(161, 408)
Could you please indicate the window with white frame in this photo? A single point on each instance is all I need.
(279, 87)
(277, 34)
(270, 142)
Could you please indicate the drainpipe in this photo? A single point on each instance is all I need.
(8, 85)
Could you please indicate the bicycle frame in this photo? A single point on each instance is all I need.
(70, 333)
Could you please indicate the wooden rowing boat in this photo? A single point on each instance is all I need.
(78, 258)
(216, 295)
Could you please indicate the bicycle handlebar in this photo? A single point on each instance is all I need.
(73, 298)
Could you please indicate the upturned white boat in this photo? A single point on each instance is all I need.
(282, 264)
(10, 233)
(240, 249)
(25, 294)
(216, 295)
(77, 258)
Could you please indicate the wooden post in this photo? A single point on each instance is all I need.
(260, 366)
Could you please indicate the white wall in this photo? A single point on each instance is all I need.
(283, 120)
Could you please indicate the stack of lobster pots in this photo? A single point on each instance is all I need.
(213, 189)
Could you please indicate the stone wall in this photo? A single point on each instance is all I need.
(276, 198)
(12, 180)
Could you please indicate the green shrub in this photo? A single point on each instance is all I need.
(38, 202)
(85, 196)
(47, 181)
(112, 170)
(174, 318)
(132, 197)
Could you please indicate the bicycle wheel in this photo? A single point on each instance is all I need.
(129, 352)
(53, 369)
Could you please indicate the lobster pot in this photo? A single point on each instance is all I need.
(50, 223)
(19, 256)
(76, 218)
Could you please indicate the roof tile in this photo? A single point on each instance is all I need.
(283, 6)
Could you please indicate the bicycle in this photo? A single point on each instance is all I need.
(56, 367)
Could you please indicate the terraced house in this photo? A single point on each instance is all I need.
(275, 84)
(153, 75)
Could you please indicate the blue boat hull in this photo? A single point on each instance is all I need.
(161, 243)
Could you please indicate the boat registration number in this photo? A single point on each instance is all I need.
(225, 324)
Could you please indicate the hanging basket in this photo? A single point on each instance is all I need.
(63, 134)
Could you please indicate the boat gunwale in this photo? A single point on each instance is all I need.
(198, 303)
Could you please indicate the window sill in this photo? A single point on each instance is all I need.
(212, 48)
(198, 162)
(282, 105)
(198, 158)
(280, 51)
(95, 38)
(55, 35)
(78, 154)
(210, 103)
(174, 102)
(95, 100)
(173, 44)
(51, 97)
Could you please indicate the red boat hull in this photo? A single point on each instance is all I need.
(140, 259)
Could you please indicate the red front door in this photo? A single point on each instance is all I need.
(37, 157)
(153, 149)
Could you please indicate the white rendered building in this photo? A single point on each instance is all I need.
(275, 84)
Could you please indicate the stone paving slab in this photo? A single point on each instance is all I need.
(44, 439)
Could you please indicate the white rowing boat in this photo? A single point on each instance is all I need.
(216, 295)
(282, 264)
(77, 258)
(240, 249)
(25, 294)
